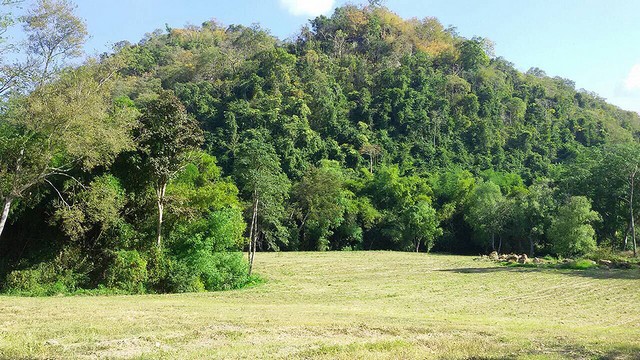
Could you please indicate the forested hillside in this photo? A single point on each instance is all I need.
(149, 168)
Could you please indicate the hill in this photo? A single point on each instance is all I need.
(150, 168)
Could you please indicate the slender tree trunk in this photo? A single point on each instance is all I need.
(530, 245)
(160, 192)
(625, 243)
(633, 236)
(418, 246)
(9, 199)
(253, 219)
(253, 232)
(499, 244)
(493, 241)
(254, 248)
(5, 213)
(633, 224)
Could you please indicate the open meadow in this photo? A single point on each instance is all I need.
(347, 305)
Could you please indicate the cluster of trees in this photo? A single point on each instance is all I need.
(150, 168)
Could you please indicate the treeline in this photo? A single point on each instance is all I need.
(152, 167)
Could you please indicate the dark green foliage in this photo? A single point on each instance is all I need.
(127, 272)
(321, 200)
(67, 272)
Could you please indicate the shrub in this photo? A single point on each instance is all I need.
(42, 280)
(202, 270)
(128, 272)
(158, 270)
(66, 273)
(181, 279)
(582, 264)
(201, 254)
(225, 271)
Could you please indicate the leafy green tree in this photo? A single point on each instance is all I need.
(199, 189)
(533, 211)
(407, 218)
(571, 232)
(71, 123)
(321, 199)
(488, 212)
(260, 179)
(472, 54)
(452, 189)
(607, 175)
(421, 225)
(166, 137)
(622, 163)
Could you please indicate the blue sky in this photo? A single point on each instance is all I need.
(596, 43)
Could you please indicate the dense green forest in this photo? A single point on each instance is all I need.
(152, 167)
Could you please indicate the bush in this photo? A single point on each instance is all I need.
(201, 254)
(158, 270)
(201, 270)
(165, 275)
(196, 271)
(42, 280)
(128, 272)
(181, 279)
(225, 271)
(582, 264)
(66, 273)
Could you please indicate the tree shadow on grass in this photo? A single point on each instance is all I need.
(630, 274)
(580, 352)
(624, 352)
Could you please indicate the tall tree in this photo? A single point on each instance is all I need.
(488, 212)
(54, 34)
(321, 200)
(421, 224)
(167, 136)
(260, 178)
(32, 133)
(571, 232)
(533, 210)
(622, 162)
(69, 124)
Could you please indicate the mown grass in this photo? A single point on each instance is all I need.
(349, 305)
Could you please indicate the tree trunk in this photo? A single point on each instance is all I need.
(253, 218)
(253, 232)
(625, 243)
(633, 236)
(5, 214)
(493, 241)
(160, 192)
(633, 225)
(417, 246)
(500, 244)
(530, 246)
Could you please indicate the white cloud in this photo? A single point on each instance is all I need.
(308, 7)
(633, 79)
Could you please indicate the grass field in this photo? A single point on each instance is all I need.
(347, 305)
